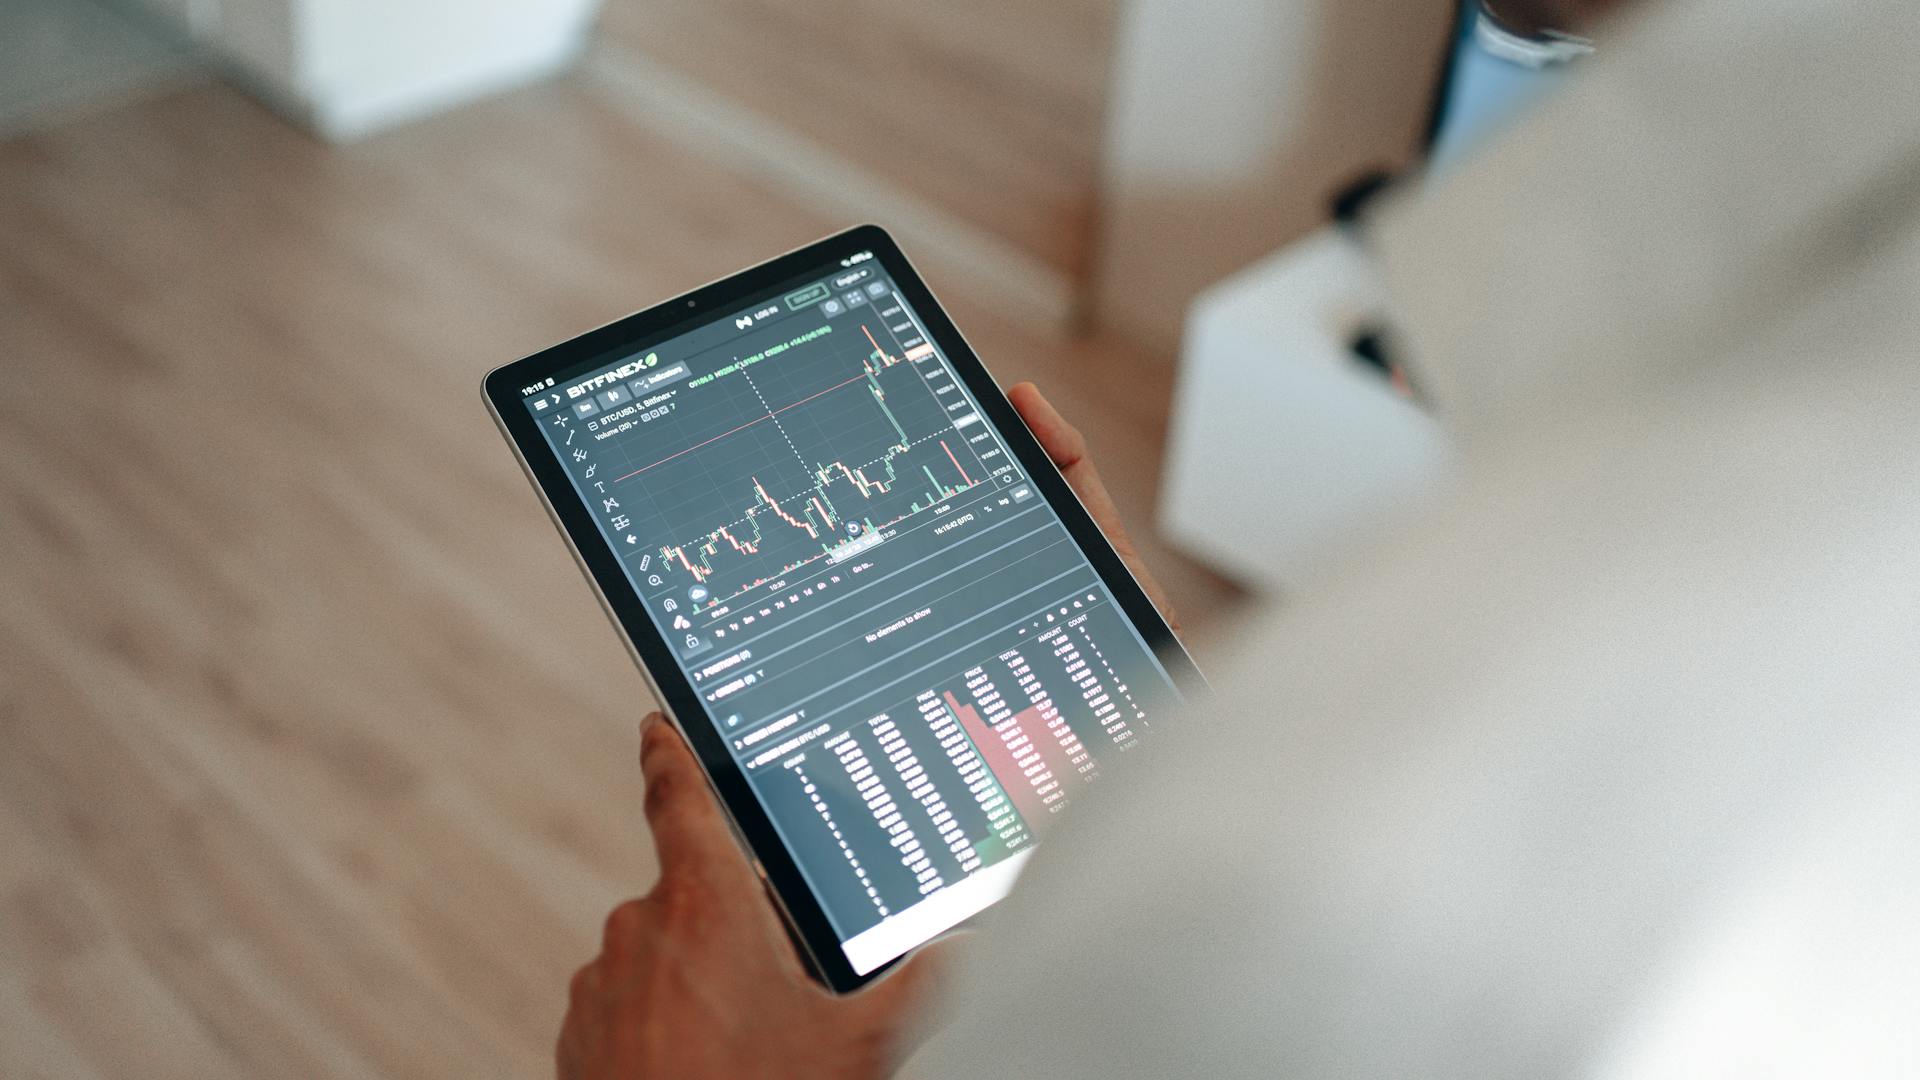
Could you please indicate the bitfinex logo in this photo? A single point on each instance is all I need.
(618, 375)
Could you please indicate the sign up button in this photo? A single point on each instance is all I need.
(810, 295)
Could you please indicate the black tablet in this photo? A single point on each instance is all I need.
(893, 637)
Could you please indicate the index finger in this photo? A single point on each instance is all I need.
(1067, 448)
(1061, 440)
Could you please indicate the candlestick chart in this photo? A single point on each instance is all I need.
(805, 456)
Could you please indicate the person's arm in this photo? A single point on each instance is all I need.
(698, 979)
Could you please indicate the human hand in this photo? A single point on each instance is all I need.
(699, 980)
(1068, 449)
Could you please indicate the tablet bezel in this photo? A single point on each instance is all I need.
(503, 390)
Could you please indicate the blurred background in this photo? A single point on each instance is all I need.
(318, 756)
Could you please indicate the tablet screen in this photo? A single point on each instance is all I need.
(907, 654)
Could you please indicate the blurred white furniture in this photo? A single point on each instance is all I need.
(350, 67)
(1284, 448)
(1230, 125)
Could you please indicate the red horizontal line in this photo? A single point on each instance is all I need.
(742, 427)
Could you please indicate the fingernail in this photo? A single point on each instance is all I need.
(651, 721)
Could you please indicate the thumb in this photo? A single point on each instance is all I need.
(690, 834)
(905, 1000)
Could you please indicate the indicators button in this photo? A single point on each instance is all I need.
(672, 374)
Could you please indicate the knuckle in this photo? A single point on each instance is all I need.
(663, 790)
(680, 895)
(653, 739)
(1072, 447)
(674, 891)
(584, 984)
(660, 745)
(626, 925)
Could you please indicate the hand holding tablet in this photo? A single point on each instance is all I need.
(708, 921)
(757, 1009)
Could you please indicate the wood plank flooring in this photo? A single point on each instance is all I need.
(315, 753)
(994, 110)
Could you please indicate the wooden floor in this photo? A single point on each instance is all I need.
(316, 756)
(993, 110)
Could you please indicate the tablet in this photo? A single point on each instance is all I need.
(896, 642)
